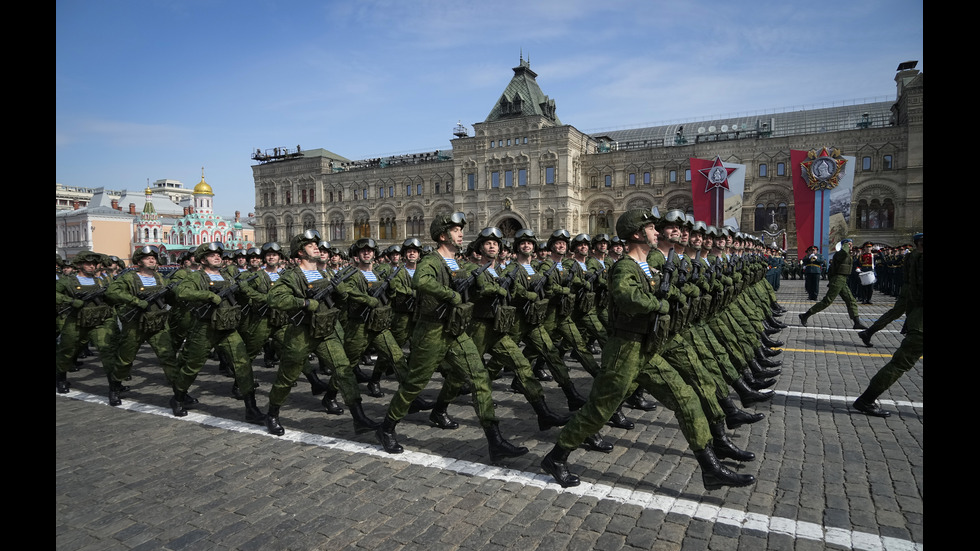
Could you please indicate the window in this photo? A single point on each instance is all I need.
(437, 188)
(594, 181)
(289, 197)
(780, 169)
(687, 175)
(646, 178)
(876, 215)
(763, 169)
(418, 189)
(608, 180)
(549, 176)
(304, 195)
(364, 193)
(672, 176)
(495, 179)
(471, 182)
(508, 141)
(886, 162)
(866, 163)
(492, 143)
(525, 140)
(522, 176)
(508, 178)
(408, 190)
(391, 191)
(632, 179)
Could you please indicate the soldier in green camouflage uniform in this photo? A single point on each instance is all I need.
(215, 326)
(838, 272)
(79, 298)
(440, 334)
(631, 357)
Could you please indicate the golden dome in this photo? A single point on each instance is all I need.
(202, 188)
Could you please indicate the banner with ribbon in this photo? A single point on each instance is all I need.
(823, 184)
(717, 189)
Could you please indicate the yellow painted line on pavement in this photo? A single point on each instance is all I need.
(865, 354)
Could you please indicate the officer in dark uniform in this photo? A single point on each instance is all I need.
(812, 267)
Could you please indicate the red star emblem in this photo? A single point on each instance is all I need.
(716, 175)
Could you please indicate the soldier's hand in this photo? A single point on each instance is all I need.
(142, 304)
(456, 299)
(312, 305)
(215, 299)
(531, 295)
(502, 292)
(373, 302)
(77, 303)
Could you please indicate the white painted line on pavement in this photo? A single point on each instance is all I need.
(747, 521)
(847, 399)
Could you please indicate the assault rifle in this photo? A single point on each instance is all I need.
(204, 310)
(665, 280)
(323, 294)
(91, 296)
(506, 283)
(149, 298)
(379, 293)
(462, 286)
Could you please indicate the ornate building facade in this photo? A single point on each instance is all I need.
(524, 168)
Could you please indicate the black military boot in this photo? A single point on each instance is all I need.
(272, 421)
(725, 448)
(866, 337)
(420, 404)
(386, 435)
(115, 387)
(61, 382)
(775, 323)
(735, 417)
(374, 389)
(637, 401)
(759, 372)
(620, 421)
(803, 318)
(556, 464)
(767, 362)
(546, 418)
(770, 343)
(597, 444)
(441, 419)
(858, 324)
(329, 401)
(236, 392)
(542, 375)
(575, 400)
(317, 386)
(362, 423)
(758, 384)
(714, 475)
(749, 396)
(764, 352)
(253, 414)
(500, 448)
(361, 376)
(177, 403)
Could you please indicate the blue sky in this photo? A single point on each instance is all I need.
(155, 89)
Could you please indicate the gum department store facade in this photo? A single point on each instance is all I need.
(524, 168)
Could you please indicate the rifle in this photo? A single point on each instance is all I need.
(323, 294)
(379, 293)
(150, 298)
(506, 283)
(204, 310)
(91, 296)
(664, 288)
(462, 286)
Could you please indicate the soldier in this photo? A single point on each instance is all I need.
(493, 320)
(440, 334)
(631, 357)
(839, 270)
(140, 297)
(910, 350)
(865, 263)
(306, 295)
(79, 297)
(812, 266)
(210, 296)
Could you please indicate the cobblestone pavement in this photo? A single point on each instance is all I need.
(135, 477)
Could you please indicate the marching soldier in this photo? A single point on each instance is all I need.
(838, 272)
(631, 357)
(80, 298)
(440, 335)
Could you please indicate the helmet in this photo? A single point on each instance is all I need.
(486, 234)
(525, 234)
(699, 227)
(297, 243)
(558, 235)
(87, 256)
(323, 245)
(412, 243)
(271, 247)
(580, 239)
(600, 238)
(443, 222)
(364, 243)
(145, 250)
(675, 216)
(253, 252)
(633, 221)
(207, 248)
